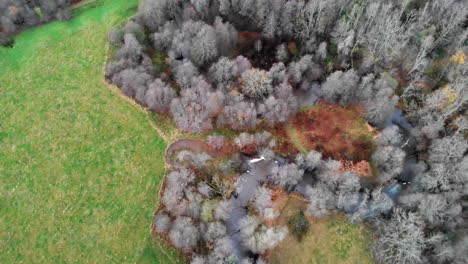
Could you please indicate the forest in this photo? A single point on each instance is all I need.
(253, 65)
(16, 15)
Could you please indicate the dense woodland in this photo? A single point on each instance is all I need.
(241, 64)
(16, 15)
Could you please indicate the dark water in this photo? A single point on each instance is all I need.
(246, 184)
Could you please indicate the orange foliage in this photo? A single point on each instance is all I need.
(335, 131)
(247, 36)
(292, 47)
(277, 193)
(283, 144)
(362, 168)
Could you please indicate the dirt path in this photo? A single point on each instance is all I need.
(82, 3)
(293, 137)
(117, 91)
(168, 139)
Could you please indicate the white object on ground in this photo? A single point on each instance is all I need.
(257, 160)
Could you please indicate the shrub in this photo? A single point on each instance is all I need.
(299, 225)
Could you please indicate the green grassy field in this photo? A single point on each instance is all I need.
(329, 240)
(79, 166)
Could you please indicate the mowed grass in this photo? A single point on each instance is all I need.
(80, 167)
(329, 240)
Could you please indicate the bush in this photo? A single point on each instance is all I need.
(299, 225)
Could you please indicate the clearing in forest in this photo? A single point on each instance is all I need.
(335, 131)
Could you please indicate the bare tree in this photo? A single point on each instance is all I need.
(184, 234)
(204, 46)
(162, 222)
(159, 96)
(131, 50)
(340, 86)
(401, 239)
(258, 238)
(256, 83)
(321, 199)
(214, 231)
(194, 110)
(288, 174)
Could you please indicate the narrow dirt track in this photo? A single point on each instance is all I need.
(82, 3)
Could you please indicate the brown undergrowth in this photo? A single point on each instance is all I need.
(338, 132)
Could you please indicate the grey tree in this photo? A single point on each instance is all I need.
(184, 233)
(288, 174)
(185, 74)
(401, 239)
(115, 36)
(205, 190)
(162, 40)
(159, 96)
(194, 109)
(379, 111)
(389, 161)
(321, 199)
(223, 73)
(180, 196)
(282, 53)
(448, 149)
(204, 46)
(303, 70)
(162, 222)
(131, 49)
(258, 139)
(390, 136)
(340, 86)
(133, 82)
(262, 200)
(258, 238)
(223, 210)
(256, 83)
(135, 29)
(278, 73)
(156, 12)
(214, 231)
(313, 159)
(239, 115)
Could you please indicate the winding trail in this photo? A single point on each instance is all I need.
(119, 93)
(82, 3)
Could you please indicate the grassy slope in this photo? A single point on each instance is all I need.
(330, 240)
(79, 166)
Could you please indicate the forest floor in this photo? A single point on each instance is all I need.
(79, 167)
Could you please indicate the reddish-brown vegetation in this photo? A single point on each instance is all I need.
(335, 131)
(362, 168)
(284, 146)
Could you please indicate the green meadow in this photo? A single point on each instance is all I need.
(80, 167)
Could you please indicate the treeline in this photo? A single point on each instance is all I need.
(352, 48)
(16, 15)
(240, 64)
